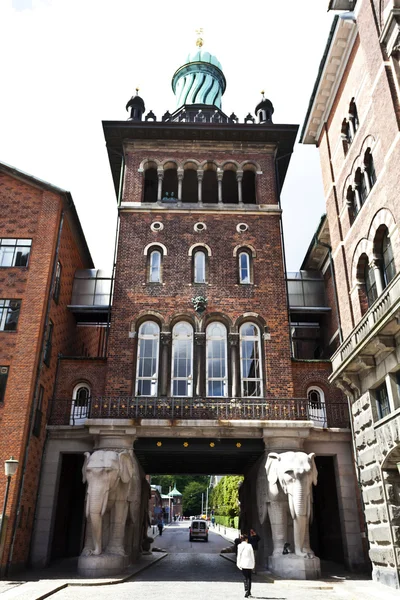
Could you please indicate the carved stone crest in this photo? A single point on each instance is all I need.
(199, 304)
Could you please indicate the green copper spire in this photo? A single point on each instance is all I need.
(200, 80)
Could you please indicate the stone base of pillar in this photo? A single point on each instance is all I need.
(290, 566)
(104, 565)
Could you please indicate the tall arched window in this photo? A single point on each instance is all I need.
(182, 360)
(249, 187)
(369, 168)
(389, 269)
(150, 185)
(147, 359)
(217, 365)
(353, 116)
(155, 266)
(361, 186)
(80, 404)
(250, 361)
(370, 284)
(199, 263)
(316, 406)
(230, 187)
(244, 268)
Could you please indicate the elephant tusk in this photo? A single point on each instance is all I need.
(105, 502)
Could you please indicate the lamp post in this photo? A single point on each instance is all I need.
(10, 468)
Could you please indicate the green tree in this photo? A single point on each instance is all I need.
(191, 500)
(225, 496)
(180, 481)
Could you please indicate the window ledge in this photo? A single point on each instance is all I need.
(387, 418)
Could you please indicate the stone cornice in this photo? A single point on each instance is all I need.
(270, 209)
(340, 44)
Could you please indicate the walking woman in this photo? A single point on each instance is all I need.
(245, 562)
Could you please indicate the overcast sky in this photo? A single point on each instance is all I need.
(67, 65)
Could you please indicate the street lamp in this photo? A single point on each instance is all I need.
(10, 468)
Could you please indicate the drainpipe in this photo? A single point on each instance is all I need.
(278, 189)
(317, 242)
(35, 395)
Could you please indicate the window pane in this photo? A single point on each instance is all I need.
(216, 365)
(199, 267)
(147, 363)
(14, 253)
(250, 363)
(155, 266)
(182, 359)
(244, 267)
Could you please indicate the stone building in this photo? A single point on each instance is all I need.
(353, 119)
(213, 358)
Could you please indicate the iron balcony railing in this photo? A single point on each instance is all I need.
(67, 412)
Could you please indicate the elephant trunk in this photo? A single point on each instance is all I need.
(298, 502)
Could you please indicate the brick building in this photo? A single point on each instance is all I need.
(353, 119)
(41, 246)
(212, 358)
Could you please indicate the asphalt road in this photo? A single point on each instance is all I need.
(175, 538)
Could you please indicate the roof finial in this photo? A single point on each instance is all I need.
(263, 92)
(137, 91)
(199, 41)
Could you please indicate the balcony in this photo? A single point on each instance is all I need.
(373, 337)
(91, 296)
(65, 412)
(306, 290)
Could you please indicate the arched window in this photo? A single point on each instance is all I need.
(389, 269)
(230, 193)
(370, 284)
(244, 267)
(150, 185)
(216, 358)
(147, 359)
(316, 406)
(369, 168)
(352, 205)
(250, 361)
(361, 186)
(190, 186)
(80, 404)
(249, 187)
(210, 185)
(353, 116)
(182, 360)
(346, 135)
(199, 265)
(170, 182)
(155, 266)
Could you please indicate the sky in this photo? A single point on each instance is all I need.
(69, 64)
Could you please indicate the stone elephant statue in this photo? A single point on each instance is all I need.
(284, 487)
(113, 480)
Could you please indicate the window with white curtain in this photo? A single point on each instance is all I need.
(199, 267)
(250, 361)
(147, 359)
(244, 268)
(182, 360)
(216, 360)
(80, 404)
(155, 267)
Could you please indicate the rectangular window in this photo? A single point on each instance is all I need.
(57, 283)
(9, 313)
(49, 343)
(382, 401)
(14, 252)
(3, 382)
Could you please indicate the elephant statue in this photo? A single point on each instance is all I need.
(113, 480)
(284, 486)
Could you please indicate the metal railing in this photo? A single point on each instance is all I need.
(67, 412)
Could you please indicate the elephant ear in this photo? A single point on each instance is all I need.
(87, 456)
(272, 467)
(125, 466)
(262, 492)
(314, 472)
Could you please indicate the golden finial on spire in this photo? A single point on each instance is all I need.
(263, 92)
(137, 91)
(199, 41)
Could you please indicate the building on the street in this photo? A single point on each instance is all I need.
(353, 119)
(213, 357)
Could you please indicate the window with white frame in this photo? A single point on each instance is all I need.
(316, 406)
(244, 268)
(250, 361)
(155, 266)
(182, 360)
(199, 262)
(9, 314)
(382, 401)
(80, 404)
(147, 359)
(14, 252)
(216, 360)
(389, 269)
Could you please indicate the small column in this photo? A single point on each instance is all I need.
(180, 182)
(160, 174)
(357, 199)
(367, 181)
(234, 343)
(165, 345)
(200, 187)
(375, 265)
(200, 343)
(239, 179)
(220, 174)
(258, 188)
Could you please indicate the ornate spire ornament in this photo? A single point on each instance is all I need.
(199, 41)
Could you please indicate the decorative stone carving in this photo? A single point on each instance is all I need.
(284, 488)
(200, 304)
(165, 337)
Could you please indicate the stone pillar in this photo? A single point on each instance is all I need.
(200, 187)
(200, 345)
(357, 199)
(160, 175)
(239, 179)
(220, 174)
(165, 361)
(234, 343)
(180, 182)
(375, 265)
(367, 181)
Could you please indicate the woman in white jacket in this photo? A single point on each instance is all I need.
(245, 562)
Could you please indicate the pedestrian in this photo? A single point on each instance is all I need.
(160, 525)
(245, 562)
(213, 521)
(254, 538)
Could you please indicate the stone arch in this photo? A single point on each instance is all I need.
(251, 317)
(147, 315)
(364, 246)
(169, 163)
(177, 318)
(251, 165)
(244, 247)
(201, 247)
(156, 245)
(148, 163)
(209, 165)
(217, 316)
(383, 217)
(190, 163)
(230, 165)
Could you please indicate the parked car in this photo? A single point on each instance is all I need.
(198, 530)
